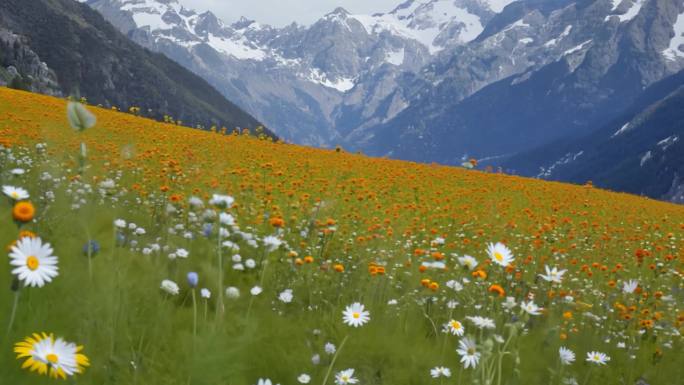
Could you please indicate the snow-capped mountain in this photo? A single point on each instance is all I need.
(431, 80)
(541, 71)
(313, 84)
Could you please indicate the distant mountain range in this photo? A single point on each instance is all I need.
(325, 84)
(61, 47)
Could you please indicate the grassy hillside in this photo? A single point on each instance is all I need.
(317, 231)
(91, 58)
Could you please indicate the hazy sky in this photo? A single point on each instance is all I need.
(283, 12)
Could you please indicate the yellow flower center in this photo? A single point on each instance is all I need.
(456, 325)
(52, 358)
(344, 378)
(471, 351)
(356, 315)
(498, 256)
(15, 194)
(597, 358)
(32, 263)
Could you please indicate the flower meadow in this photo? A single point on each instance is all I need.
(146, 253)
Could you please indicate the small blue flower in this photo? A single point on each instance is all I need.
(193, 279)
(208, 228)
(92, 247)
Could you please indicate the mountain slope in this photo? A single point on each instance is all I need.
(602, 57)
(641, 151)
(92, 59)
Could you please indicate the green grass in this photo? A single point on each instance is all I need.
(134, 333)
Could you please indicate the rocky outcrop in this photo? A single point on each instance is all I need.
(22, 68)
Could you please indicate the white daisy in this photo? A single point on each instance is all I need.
(286, 296)
(205, 293)
(468, 262)
(509, 303)
(232, 292)
(195, 202)
(272, 243)
(170, 287)
(182, 253)
(552, 275)
(33, 262)
(345, 377)
(304, 378)
(53, 357)
(530, 308)
(567, 356)
(222, 201)
(482, 322)
(597, 358)
(468, 352)
(629, 286)
(330, 348)
(16, 193)
(454, 327)
(256, 290)
(454, 285)
(226, 219)
(264, 381)
(440, 371)
(500, 254)
(355, 315)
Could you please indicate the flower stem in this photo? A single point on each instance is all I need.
(332, 363)
(194, 316)
(219, 306)
(13, 313)
(586, 379)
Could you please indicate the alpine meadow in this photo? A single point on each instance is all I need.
(342, 192)
(149, 253)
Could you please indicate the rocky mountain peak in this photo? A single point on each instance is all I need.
(242, 23)
(339, 11)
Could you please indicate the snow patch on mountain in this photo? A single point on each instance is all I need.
(667, 142)
(395, 57)
(149, 13)
(341, 84)
(674, 50)
(616, 3)
(645, 158)
(632, 11)
(498, 5)
(577, 48)
(239, 48)
(424, 21)
(560, 37)
(568, 158)
(622, 130)
(518, 24)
